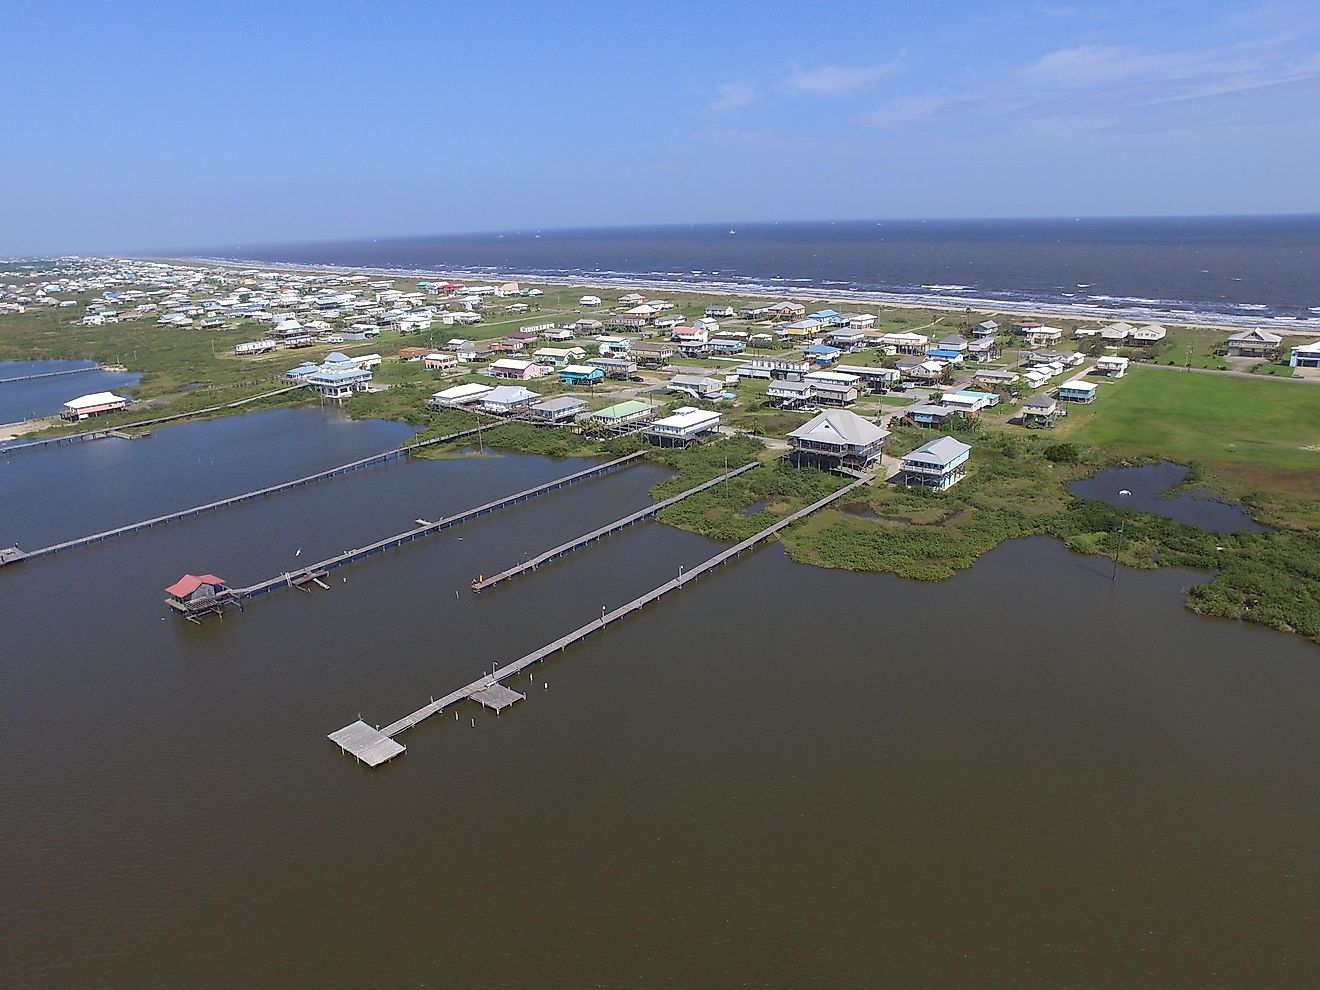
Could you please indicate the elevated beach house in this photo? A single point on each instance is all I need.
(1112, 366)
(1255, 344)
(1305, 355)
(95, 404)
(505, 400)
(838, 438)
(937, 464)
(624, 417)
(515, 369)
(338, 377)
(1041, 411)
(458, 396)
(684, 425)
(697, 386)
(560, 409)
(1078, 390)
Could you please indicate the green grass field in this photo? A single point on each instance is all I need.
(1261, 434)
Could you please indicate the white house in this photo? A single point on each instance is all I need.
(95, 404)
(459, 395)
(1113, 367)
(1305, 355)
(589, 301)
(938, 464)
(687, 423)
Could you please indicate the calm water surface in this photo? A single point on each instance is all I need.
(1145, 486)
(45, 396)
(784, 776)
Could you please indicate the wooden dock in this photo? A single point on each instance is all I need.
(641, 515)
(49, 374)
(372, 746)
(309, 574)
(385, 457)
(70, 438)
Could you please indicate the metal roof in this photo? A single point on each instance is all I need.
(840, 426)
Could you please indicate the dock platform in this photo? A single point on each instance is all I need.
(399, 453)
(486, 682)
(313, 572)
(369, 745)
(599, 534)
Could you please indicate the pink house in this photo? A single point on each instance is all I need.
(515, 369)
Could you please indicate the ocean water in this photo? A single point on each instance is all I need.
(1216, 269)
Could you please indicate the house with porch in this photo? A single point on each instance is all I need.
(875, 379)
(697, 386)
(905, 342)
(983, 349)
(1151, 333)
(1111, 366)
(459, 396)
(339, 377)
(938, 464)
(560, 409)
(833, 388)
(986, 328)
(1040, 335)
(505, 400)
(437, 361)
(1041, 411)
(685, 425)
(1305, 355)
(581, 374)
(614, 367)
(1078, 390)
(94, 404)
(653, 354)
(838, 438)
(516, 369)
(623, 417)
(1255, 344)
(558, 357)
(929, 414)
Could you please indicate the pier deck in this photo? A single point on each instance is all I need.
(69, 438)
(49, 374)
(384, 457)
(321, 568)
(487, 681)
(604, 531)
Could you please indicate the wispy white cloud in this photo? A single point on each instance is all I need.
(837, 80)
(1093, 87)
(732, 96)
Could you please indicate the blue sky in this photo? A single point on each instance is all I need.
(143, 125)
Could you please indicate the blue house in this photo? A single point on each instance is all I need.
(826, 318)
(580, 374)
(822, 353)
(945, 354)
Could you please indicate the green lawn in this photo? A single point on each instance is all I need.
(1262, 434)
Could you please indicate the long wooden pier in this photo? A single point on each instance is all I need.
(49, 374)
(314, 572)
(69, 438)
(640, 515)
(375, 746)
(384, 457)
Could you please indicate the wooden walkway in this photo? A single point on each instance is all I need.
(598, 534)
(313, 572)
(49, 374)
(68, 438)
(385, 457)
(363, 742)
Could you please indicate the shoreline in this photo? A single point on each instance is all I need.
(1284, 326)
